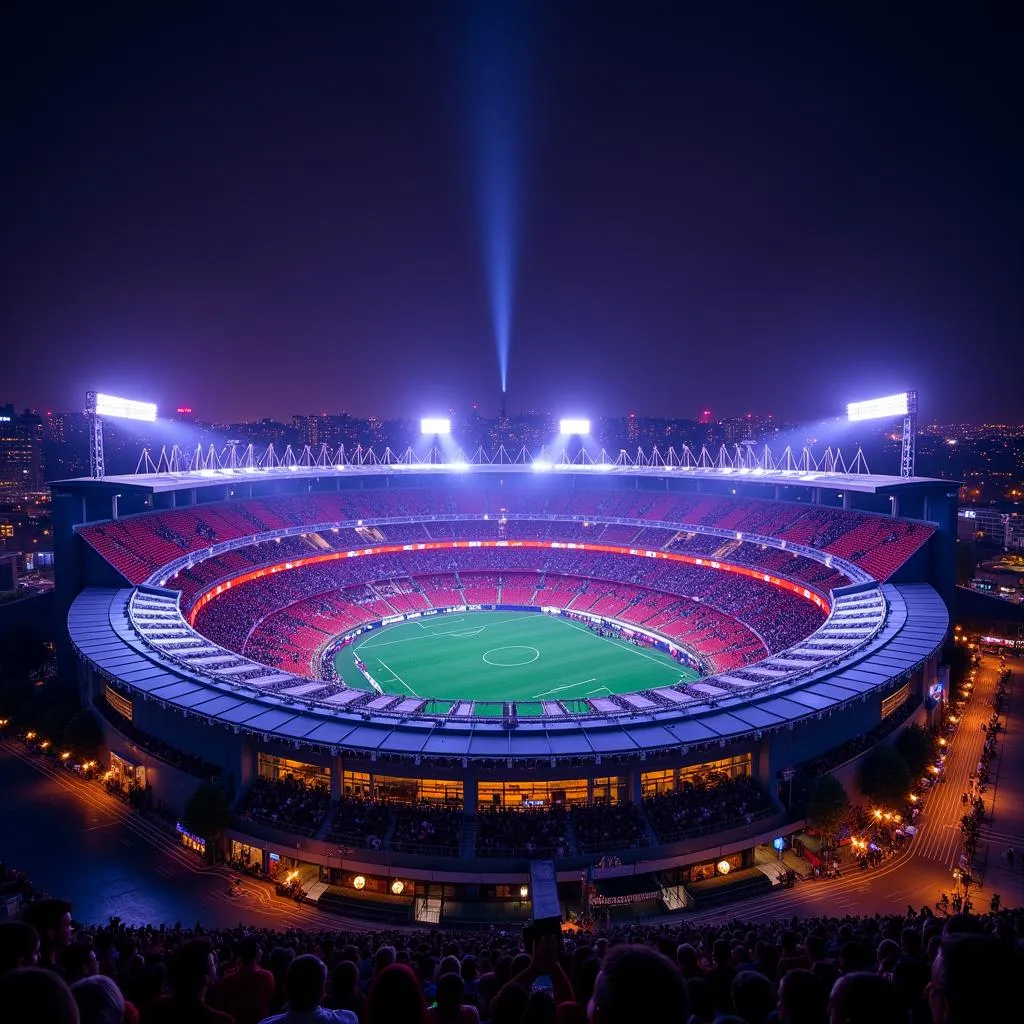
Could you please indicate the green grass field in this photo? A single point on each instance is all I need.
(503, 656)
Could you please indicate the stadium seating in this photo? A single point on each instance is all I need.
(138, 546)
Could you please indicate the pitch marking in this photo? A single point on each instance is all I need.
(622, 646)
(399, 678)
(366, 645)
(510, 664)
(568, 686)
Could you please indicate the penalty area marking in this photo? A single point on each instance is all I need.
(515, 662)
(399, 678)
(567, 686)
(622, 646)
(369, 645)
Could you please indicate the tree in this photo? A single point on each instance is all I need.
(959, 661)
(24, 652)
(885, 776)
(915, 745)
(827, 805)
(84, 734)
(966, 560)
(207, 812)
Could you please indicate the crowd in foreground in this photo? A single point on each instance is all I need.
(911, 969)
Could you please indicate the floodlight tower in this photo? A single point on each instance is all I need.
(97, 467)
(97, 407)
(909, 436)
(904, 404)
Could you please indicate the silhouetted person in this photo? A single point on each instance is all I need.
(33, 995)
(192, 972)
(637, 984)
(973, 979)
(864, 998)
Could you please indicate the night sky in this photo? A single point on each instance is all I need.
(773, 209)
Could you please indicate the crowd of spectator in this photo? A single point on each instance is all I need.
(289, 804)
(914, 968)
(140, 545)
(360, 821)
(529, 832)
(731, 619)
(427, 828)
(713, 802)
(602, 827)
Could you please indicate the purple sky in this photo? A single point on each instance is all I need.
(776, 212)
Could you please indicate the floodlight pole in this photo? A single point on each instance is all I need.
(909, 436)
(97, 465)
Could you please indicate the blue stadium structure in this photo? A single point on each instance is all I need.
(202, 607)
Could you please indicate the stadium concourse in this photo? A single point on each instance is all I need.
(789, 615)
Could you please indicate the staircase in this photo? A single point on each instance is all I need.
(725, 550)
(427, 910)
(467, 844)
(675, 897)
(570, 834)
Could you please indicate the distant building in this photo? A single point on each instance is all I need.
(8, 572)
(990, 525)
(21, 453)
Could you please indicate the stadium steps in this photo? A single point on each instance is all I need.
(725, 550)
(570, 834)
(325, 826)
(467, 844)
(649, 833)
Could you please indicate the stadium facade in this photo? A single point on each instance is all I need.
(142, 559)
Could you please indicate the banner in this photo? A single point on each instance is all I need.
(624, 901)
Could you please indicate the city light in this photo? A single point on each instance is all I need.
(880, 408)
(397, 887)
(121, 408)
(574, 425)
(431, 425)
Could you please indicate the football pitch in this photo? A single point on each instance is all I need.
(504, 656)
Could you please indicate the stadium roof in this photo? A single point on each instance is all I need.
(159, 483)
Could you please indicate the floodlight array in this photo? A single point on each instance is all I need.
(432, 425)
(111, 407)
(574, 425)
(889, 407)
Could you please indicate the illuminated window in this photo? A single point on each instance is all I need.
(280, 768)
(122, 705)
(668, 780)
(525, 795)
(895, 700)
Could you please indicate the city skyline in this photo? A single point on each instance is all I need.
(667, 214)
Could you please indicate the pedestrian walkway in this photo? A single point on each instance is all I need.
(1002, 831)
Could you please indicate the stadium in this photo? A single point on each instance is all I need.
(437, 689)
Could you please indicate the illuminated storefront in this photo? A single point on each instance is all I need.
(126, 773)
(246, 855)
(711, 868)
(190, 840)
